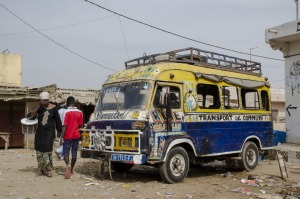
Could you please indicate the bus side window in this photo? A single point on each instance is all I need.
(265, 100)
(250, 100)
(200, 100)
(174, 98)
(208, 96)
(230, 97)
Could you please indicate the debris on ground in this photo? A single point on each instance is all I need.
(169, 194)
(242, 190)
(268, 196)
(90, 179)
(249, 182)
(127, 186)
(291, 190)
(92, 183)
(262, 191)
(279, 188)
(158, 193)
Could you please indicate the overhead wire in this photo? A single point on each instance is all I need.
(123, 37)
(120, 15)
(57, 27)
(178, 35)
(71, 51)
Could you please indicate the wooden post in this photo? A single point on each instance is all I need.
(5, 137)
(282, 167)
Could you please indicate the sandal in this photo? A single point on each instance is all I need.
(39, 173)
(49, 174)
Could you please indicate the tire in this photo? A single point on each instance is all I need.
(249, 156)
(176, 166)
(121, 167)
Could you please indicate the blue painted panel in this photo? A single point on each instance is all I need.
(114, 124)
(220, 137)
(279, 137)
(209, 137)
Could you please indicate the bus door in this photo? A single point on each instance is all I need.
(166, 116)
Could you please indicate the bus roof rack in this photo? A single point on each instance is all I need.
(198, 57)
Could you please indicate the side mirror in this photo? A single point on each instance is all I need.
(165, 91)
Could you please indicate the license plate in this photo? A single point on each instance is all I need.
(122, 158)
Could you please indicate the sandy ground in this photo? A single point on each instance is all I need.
(18, 180)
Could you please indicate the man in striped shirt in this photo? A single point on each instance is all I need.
(73, 120)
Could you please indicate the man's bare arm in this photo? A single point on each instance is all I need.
(33, 112)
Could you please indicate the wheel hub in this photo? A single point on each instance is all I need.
(251, 156)
(177, 165)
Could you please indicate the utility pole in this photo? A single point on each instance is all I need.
(296, 1)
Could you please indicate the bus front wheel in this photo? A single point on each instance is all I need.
(176, 166)
(249, 156)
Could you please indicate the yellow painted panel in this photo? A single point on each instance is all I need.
(85, 139)
(162, 71)
(123, 138)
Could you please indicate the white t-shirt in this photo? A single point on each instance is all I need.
(61, 113)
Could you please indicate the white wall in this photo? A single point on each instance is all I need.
(286, 38)
(10, 70)
(292, 89)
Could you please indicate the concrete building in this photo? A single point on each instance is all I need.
(286, 38)
(10, 69)
(278, 108)
(16, 102)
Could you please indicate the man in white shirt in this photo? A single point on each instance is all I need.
(61, 112)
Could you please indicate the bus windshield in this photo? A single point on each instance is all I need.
(123, 96)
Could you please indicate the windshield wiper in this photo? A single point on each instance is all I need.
(101, 107)
(117, 102)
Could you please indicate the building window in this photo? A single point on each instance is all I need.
(275, 115)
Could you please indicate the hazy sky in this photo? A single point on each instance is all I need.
(109, 40)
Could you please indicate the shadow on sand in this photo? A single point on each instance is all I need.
(145, 174)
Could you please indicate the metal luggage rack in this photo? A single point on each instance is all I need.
(198, 57)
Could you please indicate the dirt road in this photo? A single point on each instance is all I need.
(18, 180)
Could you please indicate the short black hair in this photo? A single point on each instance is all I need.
(70, 101)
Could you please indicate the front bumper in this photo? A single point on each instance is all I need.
(115, 157)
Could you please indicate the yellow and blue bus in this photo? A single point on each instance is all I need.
(179, 108)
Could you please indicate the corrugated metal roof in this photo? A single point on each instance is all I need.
(8, 93)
